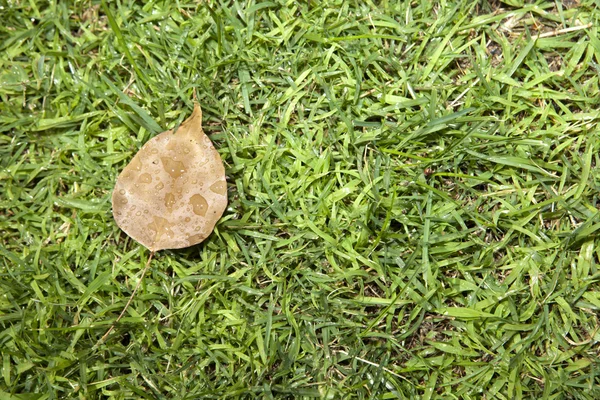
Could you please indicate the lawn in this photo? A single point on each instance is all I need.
(413, 200)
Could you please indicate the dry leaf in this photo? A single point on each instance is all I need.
(173, 191)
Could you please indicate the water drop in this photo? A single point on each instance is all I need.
(196, 238)
(119, 199)
(161, 226)
(136, 163)
(199, 205)
(145, 178)
(173, 168)
(219, 188)
(169, 200)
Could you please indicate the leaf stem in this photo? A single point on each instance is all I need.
(128, 301)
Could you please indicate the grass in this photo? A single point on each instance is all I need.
(413, 187)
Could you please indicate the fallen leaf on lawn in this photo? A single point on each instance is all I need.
(173, 191)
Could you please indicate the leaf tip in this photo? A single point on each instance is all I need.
(197, 112)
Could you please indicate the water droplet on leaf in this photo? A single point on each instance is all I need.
(199, 204)
(169, 200)
(219, 188)
(173, 168)
(145, 178)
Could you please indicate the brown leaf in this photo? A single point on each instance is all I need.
(173, 191)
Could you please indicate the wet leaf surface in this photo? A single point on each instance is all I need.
(173, 191)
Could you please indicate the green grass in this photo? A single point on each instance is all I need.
(414, 200)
